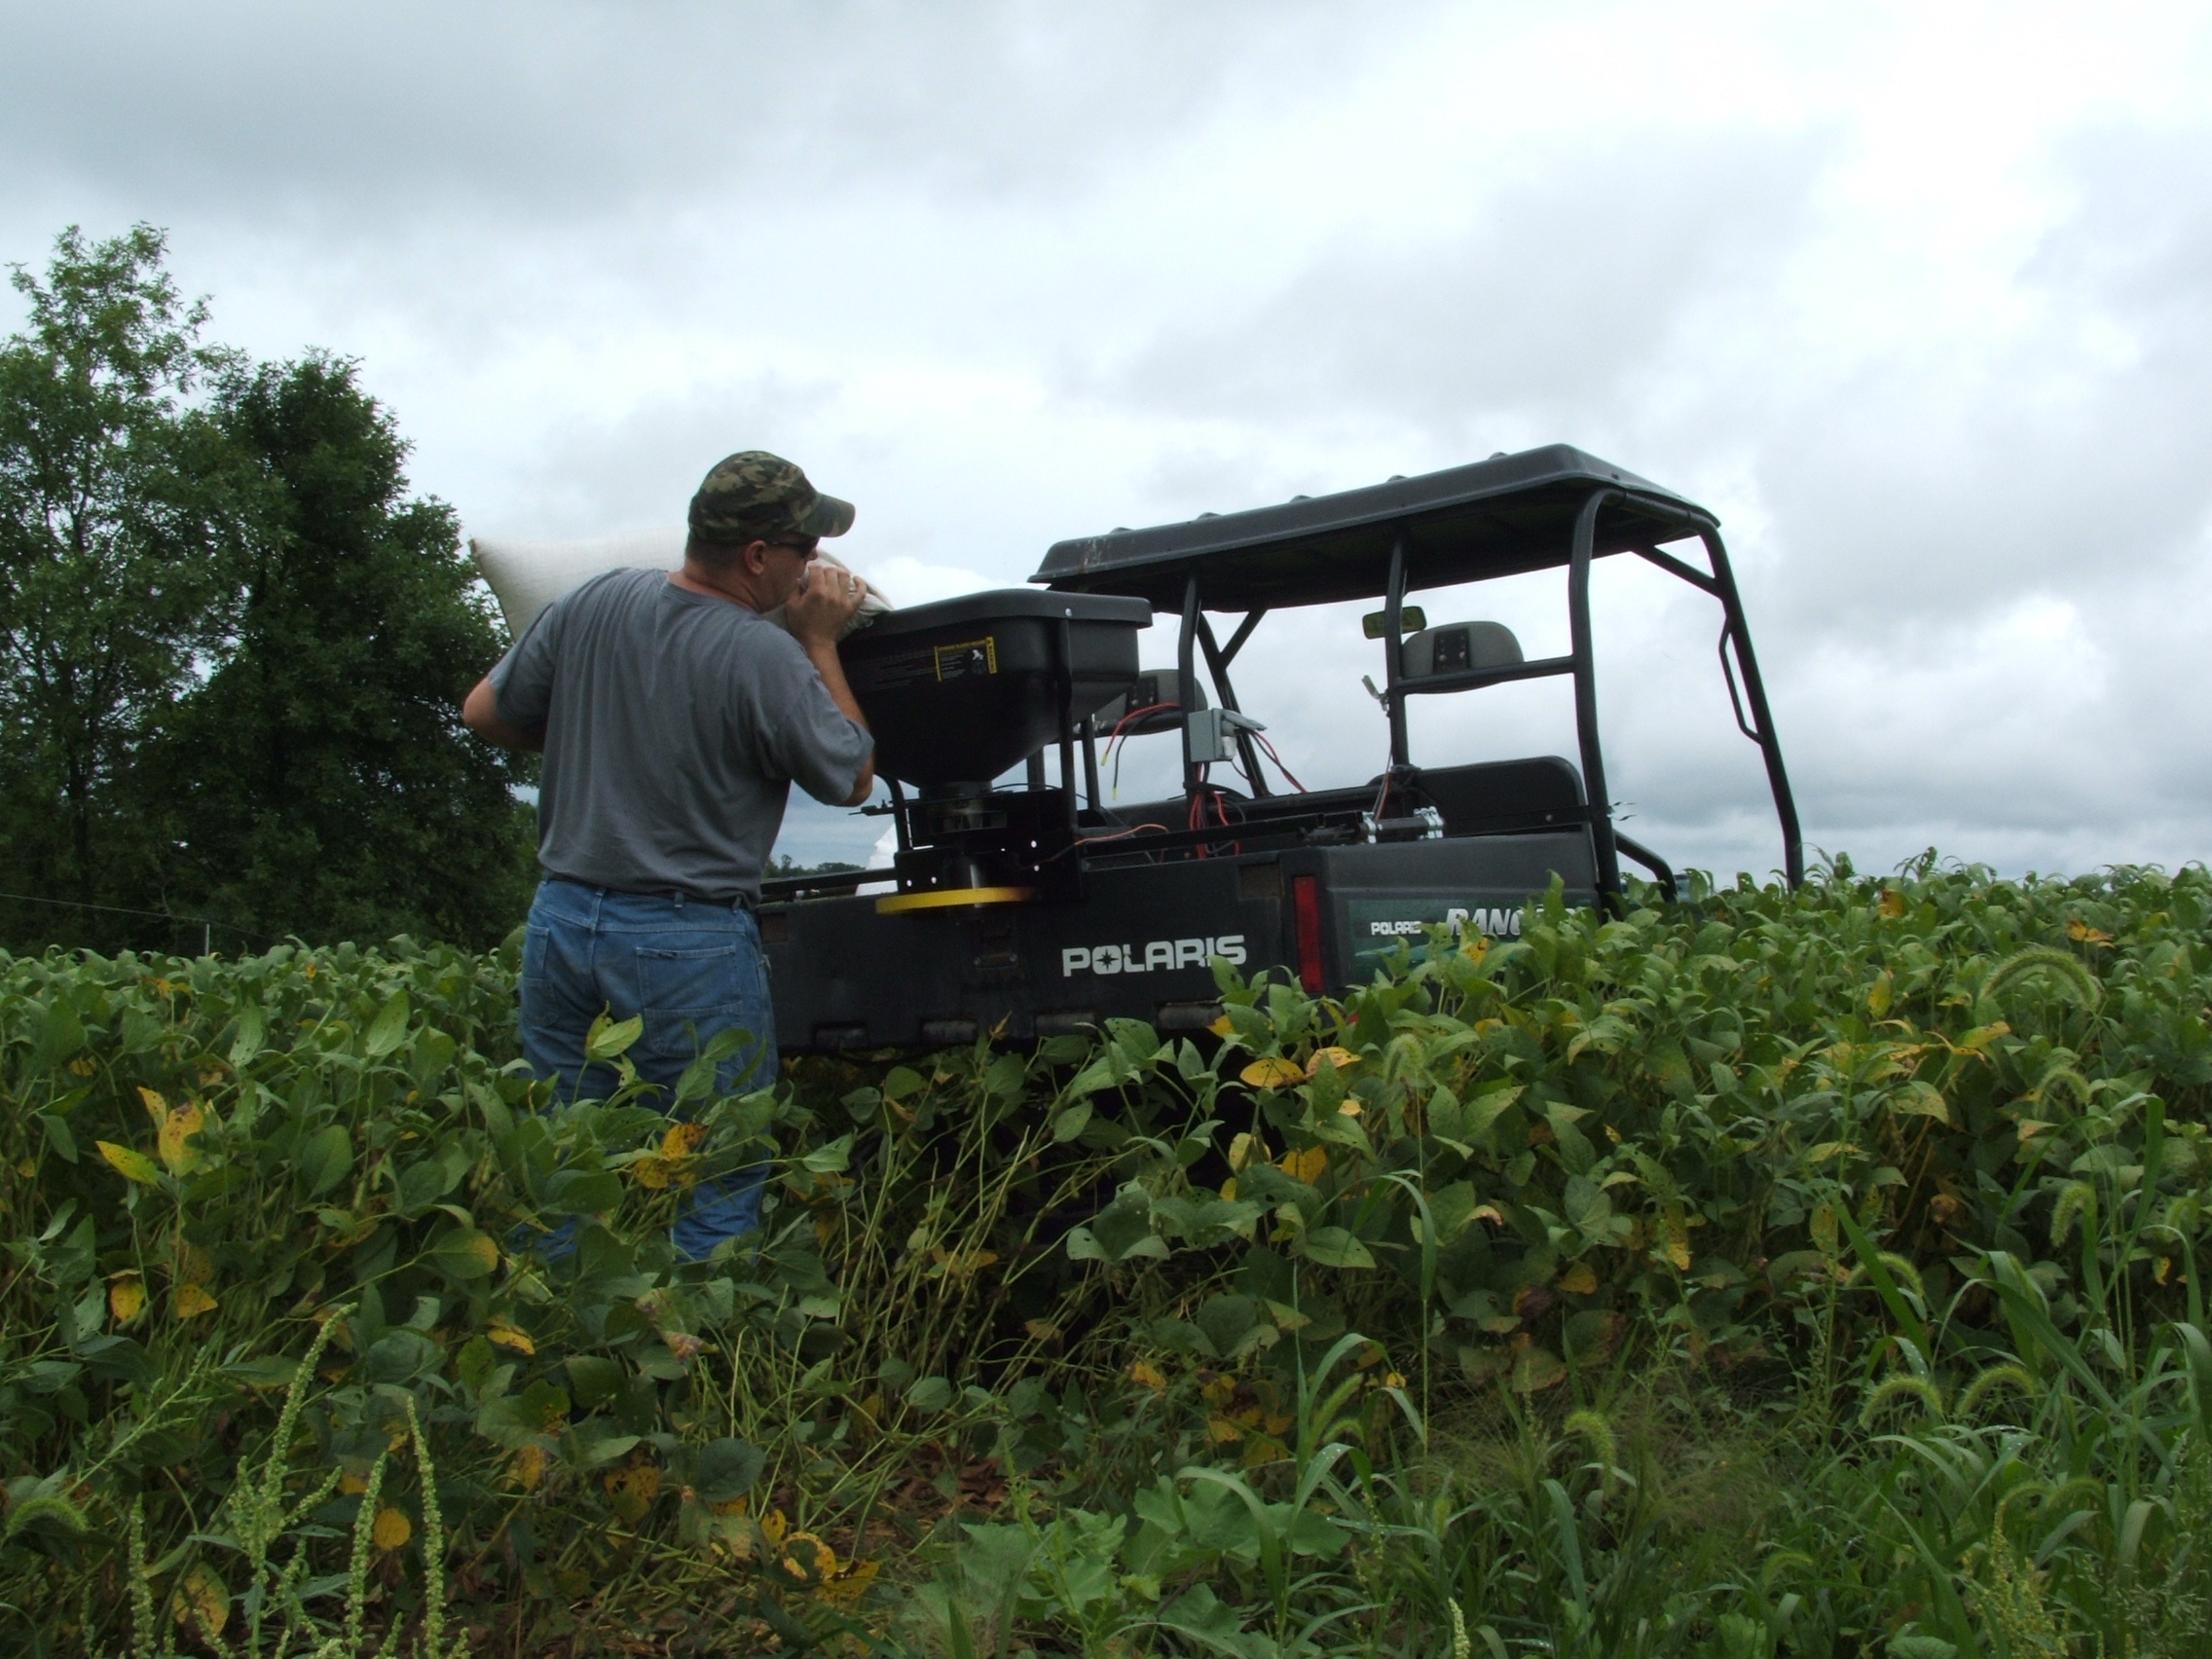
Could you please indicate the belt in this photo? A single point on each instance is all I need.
(683, 896)
(676, 894)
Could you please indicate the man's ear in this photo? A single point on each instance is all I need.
(755, 557)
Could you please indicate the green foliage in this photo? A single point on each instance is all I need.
(320, 783)
(1779, 1274)
(120, 507)
(231, 649)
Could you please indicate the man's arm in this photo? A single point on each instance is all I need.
(480, 713)
(816, 616)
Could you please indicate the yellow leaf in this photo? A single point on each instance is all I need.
(392, 1528)
(1040, 1331)
(2081, 933)
(682, 1344)
(507, 1336)
(1823, 1227)
(1486, 1212)
(852, 1581)
(1149, 1376)
(131, 1165)
(1307, 1165)
(192, 1300)
(633, 1490)
(193, 1265)
(175, 1136)
(126, 1298)
(1831, 1149)
(1228, 1191)
(2030, 1127)
(203, 1597)
(808, 1560)
(653, 1172)
(530, 1468)
(773, 1526)
(1578, 1280)
(1677, 1230)
(1878, 994)
(1272, 1073)
(1244, 1149)
(1981, 1035)
(1921, 1101)
(157, 1108)
(84, 1065)
(962, 1263)
(683, 1140)
(1350, 1109)
(1222, 1027)
(1893, 904)
(1341, 1058)
(1220, 1431)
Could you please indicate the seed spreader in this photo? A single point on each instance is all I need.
(1038, 908)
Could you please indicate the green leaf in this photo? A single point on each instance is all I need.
(594, 1381)
(324, 1158)
(583, 1192)
(608, 1041)
(389, 1029)
(1071, 1121)
(1334, 1248)
(131, 1165)
(55, 1127)
(930, 1395)
(253, 1031)
(726, 1469)
(464, 1254)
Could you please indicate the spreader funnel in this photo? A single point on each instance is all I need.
(965, 689)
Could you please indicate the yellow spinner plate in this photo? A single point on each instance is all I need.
(946, 897)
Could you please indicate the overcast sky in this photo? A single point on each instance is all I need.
(1914, 297)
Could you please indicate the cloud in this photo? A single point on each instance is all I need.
(1914, 298)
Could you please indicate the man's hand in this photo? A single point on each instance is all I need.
(818, 612)
(480, 713)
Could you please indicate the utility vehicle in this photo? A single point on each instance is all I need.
(1037, 908)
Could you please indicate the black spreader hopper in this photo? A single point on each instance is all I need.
(961, 690)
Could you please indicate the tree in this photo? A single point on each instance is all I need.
(320, 780)
(233, 649)
(120, 504)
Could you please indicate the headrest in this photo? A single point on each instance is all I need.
(1454, 647)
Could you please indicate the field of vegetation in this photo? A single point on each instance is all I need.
(1773, 1274)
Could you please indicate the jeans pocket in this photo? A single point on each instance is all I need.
(688, 995)
(537, 952)
(691, 981)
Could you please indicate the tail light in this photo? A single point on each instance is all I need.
(1305, 907)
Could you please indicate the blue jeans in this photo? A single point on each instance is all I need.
(691, 970)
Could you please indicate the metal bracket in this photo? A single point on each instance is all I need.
(1209, 732)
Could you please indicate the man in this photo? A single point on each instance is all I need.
(673, 719)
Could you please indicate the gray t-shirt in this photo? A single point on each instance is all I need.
(674, 725)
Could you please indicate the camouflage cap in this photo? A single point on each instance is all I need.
(754, 496)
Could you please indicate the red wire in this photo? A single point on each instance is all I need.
(1285, 770)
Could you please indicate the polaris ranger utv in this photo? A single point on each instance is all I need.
(1035, 910)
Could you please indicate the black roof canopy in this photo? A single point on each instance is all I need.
(1466, 524)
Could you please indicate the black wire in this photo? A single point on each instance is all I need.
(127, 910)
